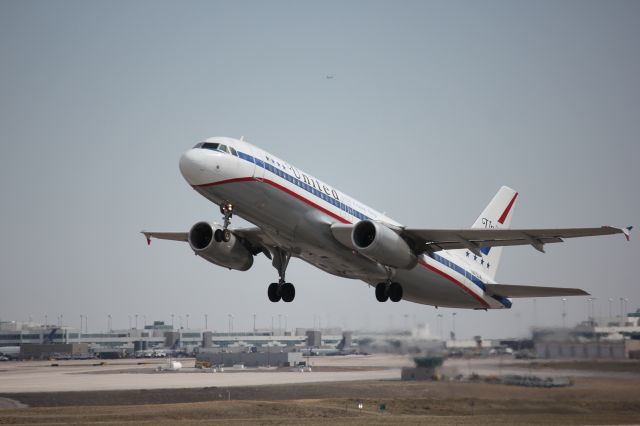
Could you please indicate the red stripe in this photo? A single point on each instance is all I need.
(301, 198)
(506, 211)
(280, 187)
(456, 282)
(222, 182)
(343, 220)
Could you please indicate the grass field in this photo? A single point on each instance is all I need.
(589, 401)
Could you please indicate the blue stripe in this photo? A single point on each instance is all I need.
(303, 185)
(468, 275)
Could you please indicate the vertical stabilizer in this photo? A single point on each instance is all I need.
(497, 215)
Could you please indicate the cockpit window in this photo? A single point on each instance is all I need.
(216, 147)
(211, 146)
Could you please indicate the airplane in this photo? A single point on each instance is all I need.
(339, 349)
(297, 215)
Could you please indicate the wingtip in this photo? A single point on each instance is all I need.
(147, 237)
(627, 232)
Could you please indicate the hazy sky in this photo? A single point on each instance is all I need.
(432, 107)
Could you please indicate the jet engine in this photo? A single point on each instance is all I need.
(232, 254)
(382, 244)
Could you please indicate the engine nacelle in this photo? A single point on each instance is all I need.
(232, 254)
(382, 244)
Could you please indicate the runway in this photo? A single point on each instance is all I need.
(89, 375)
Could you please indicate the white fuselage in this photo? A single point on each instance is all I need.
(296, 211)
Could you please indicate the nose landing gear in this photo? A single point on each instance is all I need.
(224, 234)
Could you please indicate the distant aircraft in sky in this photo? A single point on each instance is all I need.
(297, 215)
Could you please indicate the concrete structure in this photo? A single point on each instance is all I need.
(621, 349)
(54, 350)
(280, 358)
(596, 338)
(314, 338)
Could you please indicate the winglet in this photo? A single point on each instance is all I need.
(148, 237)
(627, 232)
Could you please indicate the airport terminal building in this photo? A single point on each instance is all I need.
(34, 339)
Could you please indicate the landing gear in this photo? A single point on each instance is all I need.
(395, 292)
(273, 293)
(224, 234)
(281, 290)
(382, 292)
(388, 291)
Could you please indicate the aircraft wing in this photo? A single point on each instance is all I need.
(175, 236)
(431, 240)
(255, 240)
(509, 290)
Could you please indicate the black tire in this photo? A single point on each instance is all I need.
(381, 292)
(218, 235)
(395, 292)
(273, 293)
(288, 292)
(226, 235)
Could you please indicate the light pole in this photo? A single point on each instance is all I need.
(453, 316)
(590, 307)
(206, 322)
(187, 321)
(564, 312)
(254, 323)
(621, 307)
(86, 323)
(136, 321)
(610, 301)
(441, 326)
(109, 323)
(172, 322)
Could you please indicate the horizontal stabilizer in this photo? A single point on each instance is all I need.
(510, 290)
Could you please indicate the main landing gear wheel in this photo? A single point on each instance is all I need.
(381, 292)
(282, 289)
(273, 293)
(386, 291)
(395, 292)
(288, 292)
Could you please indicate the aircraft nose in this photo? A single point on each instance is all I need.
(192, 166)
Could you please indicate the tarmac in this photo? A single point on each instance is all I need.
(92, 375)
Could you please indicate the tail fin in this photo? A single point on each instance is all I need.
(497, 214)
